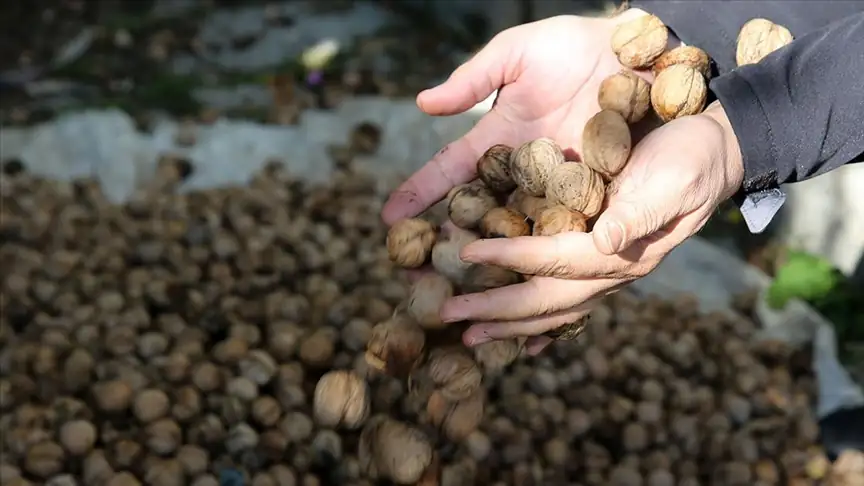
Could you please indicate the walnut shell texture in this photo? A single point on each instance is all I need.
(526, 204)
(427, 296)
(533, 162)
(504, 222)
(468, 203)
(493, 168)
(341, 398)
(445, 255)
(410, 241)
(395, 346)
(494, 356)
(456, 419)
(559, 219)
(627, 94)
(577, 187)
(639, 42)
(606, 143)
(758, 38)
(689, 55)
(394, 450)
(678, 91)
(454, 372)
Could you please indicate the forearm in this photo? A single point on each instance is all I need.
(800, 111)
(713, 25)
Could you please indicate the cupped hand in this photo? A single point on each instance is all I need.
(676, 177)
(547, 74)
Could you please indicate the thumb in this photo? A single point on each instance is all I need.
(633, 216)
(473, 81)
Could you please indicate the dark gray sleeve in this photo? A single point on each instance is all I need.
(800, 111)
(713, 25)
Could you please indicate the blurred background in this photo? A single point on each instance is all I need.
(105, 89)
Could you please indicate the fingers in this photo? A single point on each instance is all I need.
(534, 298)
(483, 332)
(566, 255)
(474, 80)
(453, 165)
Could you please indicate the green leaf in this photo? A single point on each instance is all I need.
(803, 276)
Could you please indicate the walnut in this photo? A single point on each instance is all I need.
(456, 419)
(639, 42)
(493, 168)
(532, 164)
(410, 241)
(468, 203)
(606, 143)
(150, 404)
(530, 206)
(689, 55)
(627, 94)
(577, 187)
(163, 436)
(44, 459)
(559, 219)
(341, 398)
(454, 372)
(494, 356)
(445, 255)
(317, 348)
(193, 459)
(758, 38)
(258, 366)
(78, 437)
(112, 396)
(427, 296)
(123, 479)
(394, 450)
(395, 345)
(678, 90)
(504, 222)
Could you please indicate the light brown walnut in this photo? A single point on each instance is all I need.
(627, 94)
(578, 188)
(689, 55)
(678, 91)
(533, 162)
(606, 143)
(639, 42)
(410, 241)
(758, 38)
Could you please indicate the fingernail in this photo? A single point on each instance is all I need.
(614, 235)
(449, 316)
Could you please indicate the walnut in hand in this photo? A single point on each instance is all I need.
(758, 38)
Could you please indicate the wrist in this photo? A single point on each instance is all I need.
(733, 160)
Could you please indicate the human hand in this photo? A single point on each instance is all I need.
(547, 74)
(675, 178)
